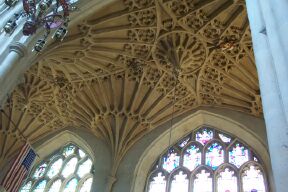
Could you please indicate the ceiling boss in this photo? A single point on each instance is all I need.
(44, 15)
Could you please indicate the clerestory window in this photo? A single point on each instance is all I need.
(207, 160)
(69, 169)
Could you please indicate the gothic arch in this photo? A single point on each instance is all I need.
(185, 126)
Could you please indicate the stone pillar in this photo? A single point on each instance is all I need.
(272, 100)
(275, 14)
(8, 69)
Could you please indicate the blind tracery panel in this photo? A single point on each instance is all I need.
(67, 170)
(207, 160)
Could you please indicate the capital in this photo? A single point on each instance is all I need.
(18, 48)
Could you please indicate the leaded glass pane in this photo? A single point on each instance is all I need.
(40, 187)
(69, 150)
(253, 180)
(86, 187)
(39, 172)
(84, 168)
(238, 155)
(214, 155)
(70, 167)
(81, 153)
(171, 160)
(179, 183)
(184, 142)
(27, 187)
(158, 183)
(56, 185)
(55, 168)
(204, 135)
(192, 157)
(224, 138)
(227, 182)
(71, 185)
(203, 182)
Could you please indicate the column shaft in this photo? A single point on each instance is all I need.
(274, 112)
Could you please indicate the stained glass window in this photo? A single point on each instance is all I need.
(203, 182)
(192, 157)
(86, 187)
(224, 138)
(71, 185)
(238, 155)
(55, 187)
(227, 182)
(40, 187)
(253, 180)
(171, 160)
(180, 183)
(204, 135)
(54, 173)
(214, 155)
(158, 183)
(221, 163)
(70, 167)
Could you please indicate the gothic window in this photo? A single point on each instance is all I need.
(207, 160)
(67, 170)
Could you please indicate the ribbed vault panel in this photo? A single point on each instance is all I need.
(113, 74)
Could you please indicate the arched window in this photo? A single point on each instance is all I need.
(67, 170)
(207, 160)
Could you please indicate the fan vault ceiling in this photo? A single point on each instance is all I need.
(113, 74)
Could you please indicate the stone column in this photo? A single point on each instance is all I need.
(274, 110)
(275, 14)
(9, 70)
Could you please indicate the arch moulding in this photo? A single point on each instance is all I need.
(185, 126)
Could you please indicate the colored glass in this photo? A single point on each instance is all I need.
(39, 172)
(55, 168)
(84, 168)
(27, 187)
(40, 186)
(71, 185)
(224, 138)
(238, 155)
(158, 183)
(69, 150)
(253, 180)
(55, 187)
(180, 183)
(227, 182)
(192, 157)
(184, 142)
(203, 182)
(214, 155)
(86, 187)
(70, 167)
(204, 135)
(171, 161)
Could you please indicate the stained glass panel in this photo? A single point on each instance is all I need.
(192, 157)
(204, 135)
(71, 185)
(40, 186)
(70, 167)
(81, 153)
(55, 187)
(69, 150)
(224, 138)
(86, 187)
(84, 168)
(39, 172)
(171, 160)
(227, 182)
(238, 155)
(27, 187)
(214, 155)
(184, 142)
(203, 182)
(55, 168)
(158, 183)
(253, 180)
(180, 183)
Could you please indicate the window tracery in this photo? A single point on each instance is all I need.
(207, 160)
(68, 170)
